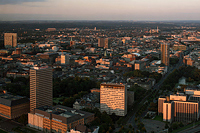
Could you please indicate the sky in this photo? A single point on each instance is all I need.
(137, 10)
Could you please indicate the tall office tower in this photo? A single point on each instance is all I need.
(113, 98)
(64, 59)
(100, 42)
(10, 40)
(165, 53)
(41, 92)
(106, 43)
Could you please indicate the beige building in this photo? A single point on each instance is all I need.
(186, 111)
(165, 53)
(161, 100)
(168, 111)
(178, 107)
(10, 40)
(41, 92)
(64, 59)
(58, 119)
(113, 98)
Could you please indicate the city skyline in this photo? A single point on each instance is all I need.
(99, 10)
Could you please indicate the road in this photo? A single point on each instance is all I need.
(131, 114)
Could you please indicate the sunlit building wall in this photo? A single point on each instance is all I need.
(113, 98)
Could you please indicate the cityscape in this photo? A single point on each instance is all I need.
(85, 72)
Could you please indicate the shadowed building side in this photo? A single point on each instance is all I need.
(40, 87)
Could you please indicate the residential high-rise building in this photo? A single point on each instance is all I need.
(103, 42)
(10, 40)
(41, 92)
(165, 53)
(64, 59)
(106, 43)
(113, 98)
(100, 42)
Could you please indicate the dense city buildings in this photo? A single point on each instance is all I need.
(118, 68)
(113, 98)
(58, 118)
(12, 106)
(10, 40)
(41, 91)
(165, 53)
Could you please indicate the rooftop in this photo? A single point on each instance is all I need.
(11, 100)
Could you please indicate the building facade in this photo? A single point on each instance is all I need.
(100, 42)
(178, 107)
(165, 53)
(186, 111)
(41, 92)
(10, 40)
(64, 59)
(13, 106)
(58, 119)
(113, 98)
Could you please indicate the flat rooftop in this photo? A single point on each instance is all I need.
(112, 84)
(10, 97)
(63, 111)
(11, 100)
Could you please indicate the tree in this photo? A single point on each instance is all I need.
(174, 125)
(144, 129)
(166, 126)
(130, 126)
(23, 119)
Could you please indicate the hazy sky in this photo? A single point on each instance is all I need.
(99, 10)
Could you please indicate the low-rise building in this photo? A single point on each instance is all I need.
(58, 118)
(13, 106)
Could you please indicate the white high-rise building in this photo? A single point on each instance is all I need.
(113, 98)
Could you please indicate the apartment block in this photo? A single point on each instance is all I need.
(10, 40)
(113, 98)
(165, 53)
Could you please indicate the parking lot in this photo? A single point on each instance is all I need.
(153, 125)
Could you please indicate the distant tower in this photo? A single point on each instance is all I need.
(157, 29)
(72, 42)
(64, 59)
(41, 90)
(106, 43)
(95, 28)
(10, 40)
(105, 53)
(101, 42)
(165, 53)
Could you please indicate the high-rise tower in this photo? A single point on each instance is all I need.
(113, 98)
(41, 92)
(165, 53)
(10, 40)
